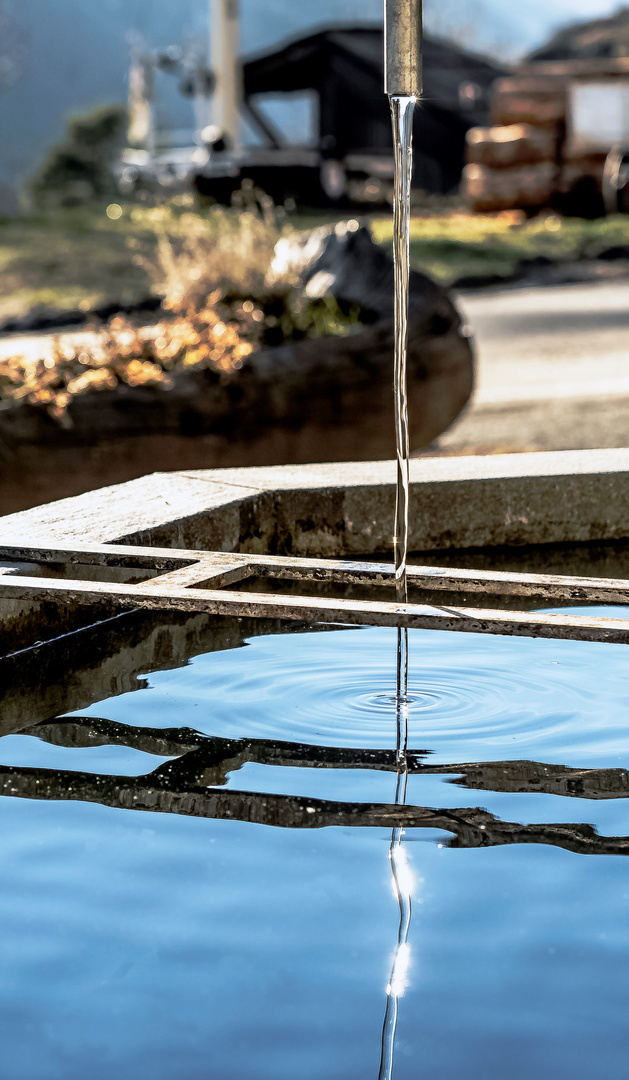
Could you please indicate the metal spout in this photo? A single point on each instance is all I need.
(402, 49)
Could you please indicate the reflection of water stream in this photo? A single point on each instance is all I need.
(400, 870)
(402, 109)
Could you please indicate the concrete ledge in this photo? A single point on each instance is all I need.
(347, 509)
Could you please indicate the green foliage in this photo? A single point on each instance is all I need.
(79, 170)
(463, 246)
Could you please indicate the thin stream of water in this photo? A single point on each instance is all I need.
(402, 110)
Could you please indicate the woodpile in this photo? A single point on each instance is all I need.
(538, 100)
(527, 159)
(518, 187)
(510, 144)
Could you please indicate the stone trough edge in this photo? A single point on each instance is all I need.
(347, 508)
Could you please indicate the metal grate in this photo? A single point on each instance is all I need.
(201, 581)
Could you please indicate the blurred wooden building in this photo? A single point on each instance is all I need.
(559, 131)
(343, 68)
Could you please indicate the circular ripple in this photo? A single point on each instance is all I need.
(465, 692)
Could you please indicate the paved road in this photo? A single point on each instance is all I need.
(553, 369)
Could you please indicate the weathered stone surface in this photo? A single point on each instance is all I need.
(347, 508)
(333, 510)
(326, 399)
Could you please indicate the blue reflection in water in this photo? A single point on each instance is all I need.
(139, 944)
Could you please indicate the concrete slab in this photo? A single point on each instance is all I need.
(552, 369)
(347, 509)
(331, 510)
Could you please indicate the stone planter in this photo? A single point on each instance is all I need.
(325, 399)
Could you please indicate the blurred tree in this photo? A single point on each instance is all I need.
(80, 169)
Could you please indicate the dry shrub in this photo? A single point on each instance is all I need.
(210, 271)
(216, 337)
(227, 249)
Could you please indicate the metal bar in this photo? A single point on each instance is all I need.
(319, 609)
(106, 555)
(197, 573)
(226, 567)
(196, 580)
(500, 583)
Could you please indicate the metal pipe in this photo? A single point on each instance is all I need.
(402, 48)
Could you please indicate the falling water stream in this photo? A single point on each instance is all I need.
(402, 109)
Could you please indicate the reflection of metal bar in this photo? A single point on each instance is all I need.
(534, 776)
(204, 752)
(83, 731)
(471, 827)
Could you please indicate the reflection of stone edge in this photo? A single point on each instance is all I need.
(108, 658)
(472, 827)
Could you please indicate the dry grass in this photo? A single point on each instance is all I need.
(210, 271)
(213, 337)
(226, 249)
(82, 258)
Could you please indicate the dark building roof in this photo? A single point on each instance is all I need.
(598, 39)
(344, 65)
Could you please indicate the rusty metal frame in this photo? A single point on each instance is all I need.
(202, 581)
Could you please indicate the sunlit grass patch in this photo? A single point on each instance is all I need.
(86, 258)
(459, 245)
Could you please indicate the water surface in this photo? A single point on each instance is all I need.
(163, 943)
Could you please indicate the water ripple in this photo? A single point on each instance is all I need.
(465, 691)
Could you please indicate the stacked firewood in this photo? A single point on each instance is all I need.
(527, 160)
